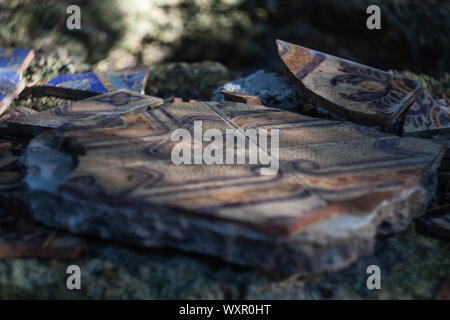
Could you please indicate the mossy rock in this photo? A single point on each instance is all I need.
(188, 80)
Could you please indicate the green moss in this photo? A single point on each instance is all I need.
(38, 104)
(188, 81)
(412, 266)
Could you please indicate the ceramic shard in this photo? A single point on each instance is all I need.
(23, 238)
(12, 63)
(17, 113)
(427, 116)
(242, 97)
(77, 85)
(338, 184)
(352, 91)
(101, 106)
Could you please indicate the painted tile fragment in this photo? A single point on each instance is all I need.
(12, 63)
(101, 106)
(427, 116)
(241, 97)
(353, 91)
(22, 238)
(337, 183)
(132, 79)
(17, 113)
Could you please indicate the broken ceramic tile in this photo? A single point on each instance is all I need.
(336, 185)
(72, 85)
(15, 59)
(17, 113)
(12, 64)
(101, 106)
(427, 116)
(22, 238)
(242, 97)
(352, 91)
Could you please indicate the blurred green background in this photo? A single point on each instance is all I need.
(237, 33)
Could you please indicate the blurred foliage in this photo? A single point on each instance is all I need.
(238, 33)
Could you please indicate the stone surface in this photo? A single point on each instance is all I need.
(72, 85)
(98, 107)
(338, 183)
(273, 90)
(241, 97)
(427, 116)
(12, 63)
(352, 91)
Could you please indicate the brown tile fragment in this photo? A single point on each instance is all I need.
(101, 106)
(22, 238)
(427, 116)
(350, 90)
(337, 182)
(17, 113)
(241, 97)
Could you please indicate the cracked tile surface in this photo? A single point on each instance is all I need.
(338, 182)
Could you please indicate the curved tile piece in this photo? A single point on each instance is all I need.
(352, 91)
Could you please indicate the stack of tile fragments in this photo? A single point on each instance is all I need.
(363, 94)
(102, 166)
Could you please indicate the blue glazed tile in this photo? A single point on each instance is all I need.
(12, 63)
(86, 81)
(8, 81)
(133, 79)
(14, 59)
(102, 82)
